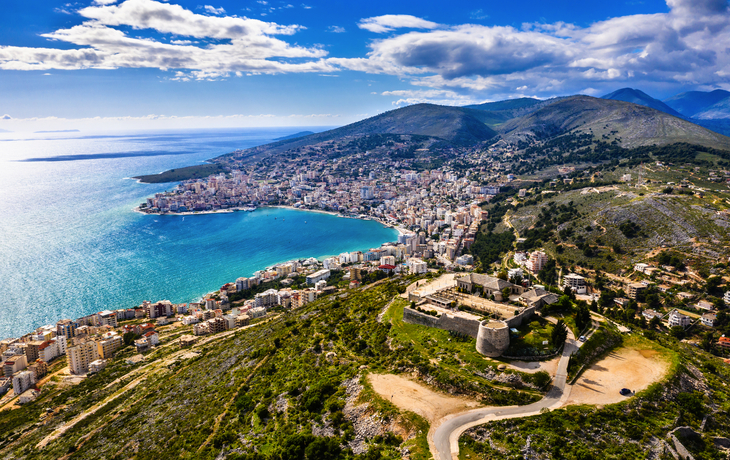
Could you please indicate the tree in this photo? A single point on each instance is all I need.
(677, 332)
(129, 338)
(583, 317)
(559, 334)
(505, 293)
(655, 322)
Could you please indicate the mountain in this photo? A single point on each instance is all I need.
(636, 96)
(294, 136)
(509, 104)
(502, 111)
(631, 125)
(454, 125)
(718, 111)
(692, 103)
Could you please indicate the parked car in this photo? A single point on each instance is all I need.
(582, 338)
(625, 392)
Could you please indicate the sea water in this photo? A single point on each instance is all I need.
(70, 244)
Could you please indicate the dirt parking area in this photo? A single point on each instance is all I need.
(625, 368)
(415, 397)
(531, 367)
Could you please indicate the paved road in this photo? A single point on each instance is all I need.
(446, 437)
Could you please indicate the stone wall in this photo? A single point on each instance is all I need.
(493, 338)
(525, 315)
(447, 322)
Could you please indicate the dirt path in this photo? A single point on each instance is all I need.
(624, 368)
(415, 397)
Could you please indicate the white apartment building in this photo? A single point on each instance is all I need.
(575, 282)
(80, 356)
(22, 381)
(417, 265)
(678, 319)
(318, 276)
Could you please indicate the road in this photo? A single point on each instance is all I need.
(446, 436)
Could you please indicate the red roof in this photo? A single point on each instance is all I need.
(387, 267)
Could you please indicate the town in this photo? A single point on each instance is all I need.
(439, 212)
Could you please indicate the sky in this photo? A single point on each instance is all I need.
(130, 64)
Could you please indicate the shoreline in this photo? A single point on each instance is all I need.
(400, 231)
(398, 228)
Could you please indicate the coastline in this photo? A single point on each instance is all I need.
(399, 229)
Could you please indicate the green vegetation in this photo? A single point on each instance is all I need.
(180, 174)
(627, 430)
(529, 339)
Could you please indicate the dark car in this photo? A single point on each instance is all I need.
(625, 391)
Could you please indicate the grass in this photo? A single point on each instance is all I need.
(529, 341)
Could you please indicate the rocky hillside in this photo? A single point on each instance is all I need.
(631, 125)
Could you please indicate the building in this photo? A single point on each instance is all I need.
(23, 381)
(366, 193)
(80, 356)
(187, 340)
(417, 266)
(576, 283)
(5, 384)
(39, 369)
(97, 366)
(156, 310)
(267, 298)
(633, 289)
(216, 325)
(724, 342)
(14, 364)
(538, 297)
(537, 261)
(726, 297)
(709, 319)
(480, 284)
(108, 318)
(110, 343)
(318, 276)
(705, 305)
(678, 319)
(49, 350)
(649, 314)
(66, 328)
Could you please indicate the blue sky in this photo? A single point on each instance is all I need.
(158, 64)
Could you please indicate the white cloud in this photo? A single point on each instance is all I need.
(213, 10)
(336, 29)
(104, 2)
(239, 44)
(390, 22)
(687, 45)
(432, 96)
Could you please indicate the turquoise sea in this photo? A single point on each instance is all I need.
(70, 244)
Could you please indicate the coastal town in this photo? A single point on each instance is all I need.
(439, 214)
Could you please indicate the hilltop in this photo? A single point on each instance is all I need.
(451, 125)
(631, 125)
(639, 97)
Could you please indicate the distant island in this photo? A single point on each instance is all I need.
(294, 136)
(180, 174)
(58, 131)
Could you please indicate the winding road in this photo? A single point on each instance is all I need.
(445, 439)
